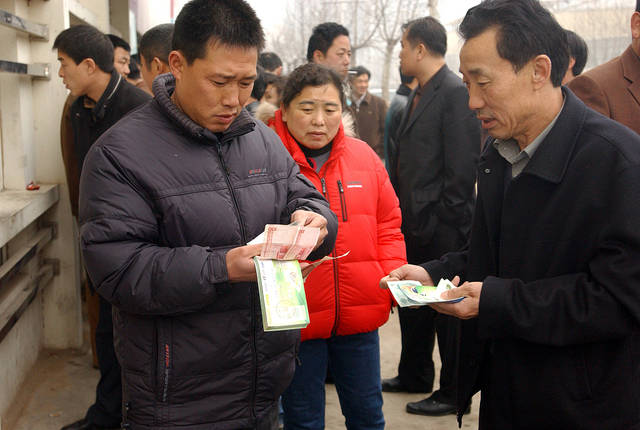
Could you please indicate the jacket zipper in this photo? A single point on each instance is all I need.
(343, 201)
(167, 366)
(336, 287)
(233, 194)
(254, 359)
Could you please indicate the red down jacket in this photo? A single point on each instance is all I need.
(343, 295)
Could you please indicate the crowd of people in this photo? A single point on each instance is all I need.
(519, 182)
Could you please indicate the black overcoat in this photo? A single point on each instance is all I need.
(557, 340)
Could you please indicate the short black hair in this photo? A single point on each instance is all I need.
(323, 36)
(156, 42)
(85, 41)
(525, 29)
(201, 22)
(269, 61)
(637, 5)
(578, 50)
(311, 75)
(119, 42)
(361, 70)
(429, 32)
(259, 85)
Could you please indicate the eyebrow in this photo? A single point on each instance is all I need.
(312, 102)
(474, 72)
(231, 77)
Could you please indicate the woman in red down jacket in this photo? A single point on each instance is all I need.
(346, 305)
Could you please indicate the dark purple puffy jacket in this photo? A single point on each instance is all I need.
(161, 202)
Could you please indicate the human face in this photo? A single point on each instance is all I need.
(407, 56)
(360, 85)
(271, 95)
(313, 116)
(500, 96)
(338, 56)
(75, 77)
(121, 60)
(213, 89)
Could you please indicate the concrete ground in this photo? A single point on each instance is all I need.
(61, 387)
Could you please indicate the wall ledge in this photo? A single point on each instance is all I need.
(20, 208)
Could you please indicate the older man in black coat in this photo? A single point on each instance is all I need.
(551, 273)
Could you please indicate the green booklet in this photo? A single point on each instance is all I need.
(282, 298)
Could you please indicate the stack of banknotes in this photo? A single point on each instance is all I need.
(287, 242)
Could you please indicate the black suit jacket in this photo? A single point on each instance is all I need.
(434, 169)
(557, 340)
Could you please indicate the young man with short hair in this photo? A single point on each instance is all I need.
(154, 48)
(329, 45)
(270, 62)
(121, 54)
(169, 200)
(368, 110)
(102, 98)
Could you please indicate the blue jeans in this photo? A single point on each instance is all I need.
(354, 362)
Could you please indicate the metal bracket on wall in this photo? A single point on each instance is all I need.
(36, 70)
(35, 30)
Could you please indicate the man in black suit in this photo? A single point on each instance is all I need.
(433, 173)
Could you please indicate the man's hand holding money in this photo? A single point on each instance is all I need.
(240, 267)
(311, 219)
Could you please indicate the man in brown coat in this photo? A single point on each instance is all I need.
(368, 110)
(613, 88)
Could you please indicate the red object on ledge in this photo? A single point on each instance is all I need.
(33, 186)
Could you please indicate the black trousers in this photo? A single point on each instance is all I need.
(107, 409)
(419, 326)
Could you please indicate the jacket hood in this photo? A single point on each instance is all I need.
(294, 148)
(163, 87)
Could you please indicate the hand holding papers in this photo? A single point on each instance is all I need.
(287, 242)
(413, 293)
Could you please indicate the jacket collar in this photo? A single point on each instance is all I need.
(163, 87)
(99, 108)
(631, 69)
(427, 94)
(293, 147)
(554, 153)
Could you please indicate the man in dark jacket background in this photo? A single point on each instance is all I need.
(551, 277)
(433, 172)
(168, 201)
(102, 97)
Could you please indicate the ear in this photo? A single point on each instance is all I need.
(284, 112)
(90, 65)
(541, 71)
(177, 64)
(318, 56)
(156, 66)
(635, 25)
(421, 51)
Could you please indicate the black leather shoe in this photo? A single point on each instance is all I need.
(83, 424)
(433, 408)
(393, 385)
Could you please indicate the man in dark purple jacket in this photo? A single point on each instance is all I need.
(168, 201)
